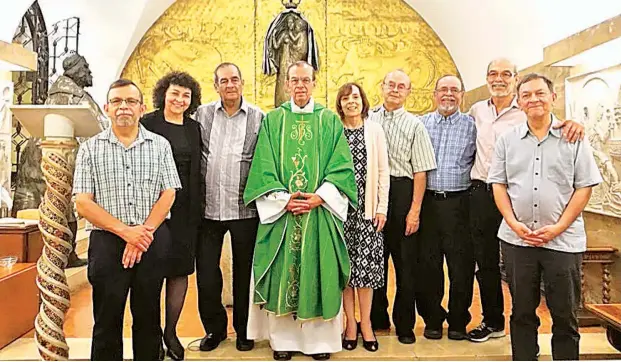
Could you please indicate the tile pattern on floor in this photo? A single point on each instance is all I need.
(593, 346)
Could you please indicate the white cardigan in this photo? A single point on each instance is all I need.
(378, 171)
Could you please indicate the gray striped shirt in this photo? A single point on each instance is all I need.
(228, 148)
(125, 181)
(409, 146)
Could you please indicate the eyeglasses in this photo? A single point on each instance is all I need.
(117, 102)
(445, 90)
(401, 87)
(305, 81)
(505, 75)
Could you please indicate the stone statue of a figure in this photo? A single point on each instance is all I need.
(289, 39)
(30, 186)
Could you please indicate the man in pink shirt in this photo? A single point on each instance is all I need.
(493, 117)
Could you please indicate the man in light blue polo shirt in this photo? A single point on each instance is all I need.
(541, 184)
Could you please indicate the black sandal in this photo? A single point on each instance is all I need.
(351, 344)
(282, 355)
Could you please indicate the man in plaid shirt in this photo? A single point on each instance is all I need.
(125, 183)
(444, 222)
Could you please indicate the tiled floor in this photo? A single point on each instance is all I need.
(79, 323)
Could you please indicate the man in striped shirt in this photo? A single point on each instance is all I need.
(229, 130)
(410, 156)
(445, 231)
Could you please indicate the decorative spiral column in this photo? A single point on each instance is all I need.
(58, 163)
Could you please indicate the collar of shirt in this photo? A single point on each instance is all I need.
(308, 108)
(556, 132)
(452, 118)
(396, 113)
(143, 135)
(243, 106)
(514, 104)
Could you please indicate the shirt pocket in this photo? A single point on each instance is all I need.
(561, 172)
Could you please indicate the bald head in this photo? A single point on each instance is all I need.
(398, 73)
(502, 62)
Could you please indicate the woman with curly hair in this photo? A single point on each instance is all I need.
(176, 96)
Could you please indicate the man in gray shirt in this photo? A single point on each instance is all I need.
(229, 130)
(541, 184)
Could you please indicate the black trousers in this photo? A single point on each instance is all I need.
(403, 250)
(561, 278)
(445, 233)
(209, 276)
(485, 220)
(111, 283)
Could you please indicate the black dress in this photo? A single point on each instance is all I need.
(186, 211)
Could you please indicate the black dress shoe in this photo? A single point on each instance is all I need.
(211, 341)
(431, 333)
(244, 345)
(457, 335)
(282, 355)
(321, 356)
(174, 349)
(407, 339)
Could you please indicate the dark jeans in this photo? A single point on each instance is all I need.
(209, 276)
(111, 284)
(403, 250)
(445, 233)
(561, 278)
(485, 220)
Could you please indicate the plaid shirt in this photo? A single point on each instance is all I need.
(126, 182)
(454, 144)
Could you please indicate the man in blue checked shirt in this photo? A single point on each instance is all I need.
(444, 215)
(125, 183)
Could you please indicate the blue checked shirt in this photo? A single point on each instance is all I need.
(126, 182)
(454, 143)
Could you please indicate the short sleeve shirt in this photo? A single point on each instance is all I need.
(541, 177)
(125, 181)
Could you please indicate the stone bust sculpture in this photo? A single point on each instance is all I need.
(30, 186)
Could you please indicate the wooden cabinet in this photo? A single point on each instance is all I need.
(19, 301)
(24, 242)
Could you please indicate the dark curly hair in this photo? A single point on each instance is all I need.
(181, 79)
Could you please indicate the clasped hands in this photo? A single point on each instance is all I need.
(537, 237)
(138, 239)
(302, 202)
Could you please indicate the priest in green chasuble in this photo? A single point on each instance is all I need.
(302, 182)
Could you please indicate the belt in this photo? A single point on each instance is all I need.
(478, 184)
(400, 178)
(443, 195)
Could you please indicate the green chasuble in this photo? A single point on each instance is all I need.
(301, 265)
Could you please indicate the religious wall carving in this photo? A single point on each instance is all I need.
(356, 41)
(595, 100)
